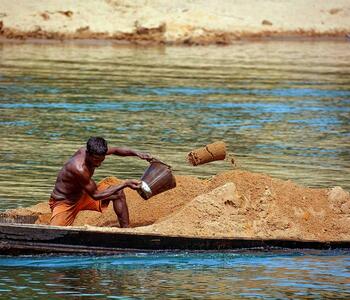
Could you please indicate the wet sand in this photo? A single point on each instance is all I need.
(173, 22)
(235, 203)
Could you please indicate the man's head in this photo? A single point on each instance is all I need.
(96, 150)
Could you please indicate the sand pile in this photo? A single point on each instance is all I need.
(232, 204)
(141, 212)
(255, 205)
(147, 212)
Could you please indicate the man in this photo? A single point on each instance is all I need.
(75, 190)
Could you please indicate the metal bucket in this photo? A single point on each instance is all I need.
(157, 179)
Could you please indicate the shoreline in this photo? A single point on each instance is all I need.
(112, 42)
(197, 23)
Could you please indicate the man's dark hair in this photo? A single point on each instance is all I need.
(96, 146)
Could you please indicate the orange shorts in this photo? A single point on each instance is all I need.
(64, 212)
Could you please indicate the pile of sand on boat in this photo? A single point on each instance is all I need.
(231, 204)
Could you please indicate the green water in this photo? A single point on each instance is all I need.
(282, 107)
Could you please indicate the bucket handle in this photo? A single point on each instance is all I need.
(156, 160)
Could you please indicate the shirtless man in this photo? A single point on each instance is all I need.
(75, 190)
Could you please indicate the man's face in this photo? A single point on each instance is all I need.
(96, 160)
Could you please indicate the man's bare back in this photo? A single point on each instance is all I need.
(68, 185)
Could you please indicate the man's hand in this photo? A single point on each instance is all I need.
(144, 156)
(133, 184)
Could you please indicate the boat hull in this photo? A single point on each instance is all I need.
(16, 239)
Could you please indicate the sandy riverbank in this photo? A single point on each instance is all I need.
(232, 204)
(173, 22)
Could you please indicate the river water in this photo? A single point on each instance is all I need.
(255, 275)
(283, 108)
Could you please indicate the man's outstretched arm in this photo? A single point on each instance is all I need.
(128, 152)
(91, 188)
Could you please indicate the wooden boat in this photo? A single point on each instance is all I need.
(19, 237)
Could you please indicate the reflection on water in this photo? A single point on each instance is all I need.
(283, 109)
(181, 276)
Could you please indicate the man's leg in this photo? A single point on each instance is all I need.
(121, 209)
(61, 216)
(62, 212)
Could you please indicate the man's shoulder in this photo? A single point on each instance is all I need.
(76, 166)
(80, 152)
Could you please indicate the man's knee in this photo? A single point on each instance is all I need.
(119, 200)
(120, 195)
(121, 209)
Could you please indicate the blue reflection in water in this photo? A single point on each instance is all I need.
(274, 275)
(253, 107)
(185, 91)
(15, 123)
(193, 91)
